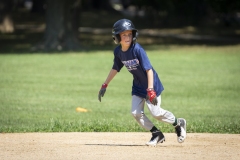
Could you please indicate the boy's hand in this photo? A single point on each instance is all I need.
(151, 96)
(102, 91)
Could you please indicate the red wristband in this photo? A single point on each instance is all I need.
(104, 85)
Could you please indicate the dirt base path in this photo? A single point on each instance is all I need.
(126, 146)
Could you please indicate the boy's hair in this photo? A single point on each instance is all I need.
(121, 26)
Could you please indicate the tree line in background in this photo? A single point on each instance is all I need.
(63, 16)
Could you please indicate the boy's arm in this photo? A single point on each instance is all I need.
(151, 94)
(150, 78)
(110, 76)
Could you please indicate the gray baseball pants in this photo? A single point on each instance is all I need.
(156, 111)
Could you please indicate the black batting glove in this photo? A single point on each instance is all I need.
(102, 91)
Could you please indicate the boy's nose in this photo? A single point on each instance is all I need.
(128, 36)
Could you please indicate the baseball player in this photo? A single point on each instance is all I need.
(146, 87)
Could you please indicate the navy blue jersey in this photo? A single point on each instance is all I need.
(136, 61)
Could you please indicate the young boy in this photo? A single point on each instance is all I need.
(147, 86)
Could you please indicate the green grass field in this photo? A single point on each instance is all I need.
(40, 92)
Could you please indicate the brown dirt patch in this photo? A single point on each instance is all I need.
(85, 146)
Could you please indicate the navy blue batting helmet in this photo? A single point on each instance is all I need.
(121, 26)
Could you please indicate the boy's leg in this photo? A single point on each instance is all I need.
(168, 117)
(138, 113)
(159, 113)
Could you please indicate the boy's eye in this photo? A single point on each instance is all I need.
(125, 35)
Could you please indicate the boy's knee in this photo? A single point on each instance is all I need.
(156, 117)
(136, 115)
(158, 113)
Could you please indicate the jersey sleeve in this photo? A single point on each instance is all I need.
(143, 59)
(117, 64)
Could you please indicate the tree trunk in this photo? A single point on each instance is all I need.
(61, 31)
(6, 22)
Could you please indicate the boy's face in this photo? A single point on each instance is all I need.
(126, 38)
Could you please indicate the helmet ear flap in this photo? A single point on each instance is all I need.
(116, 38)
(135, 35)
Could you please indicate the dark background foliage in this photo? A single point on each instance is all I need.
(67, 25)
